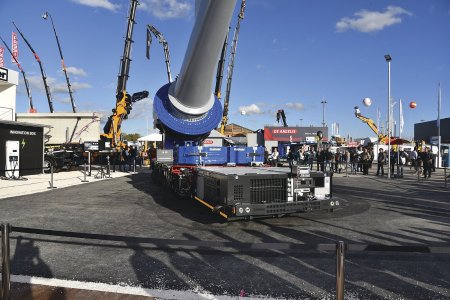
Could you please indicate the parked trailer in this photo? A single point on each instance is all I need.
(248, 192)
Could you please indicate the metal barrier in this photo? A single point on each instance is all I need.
(445, 177)
(340, 279)
(86, 172)
(6, 268)
(340, 249)
(6, 229)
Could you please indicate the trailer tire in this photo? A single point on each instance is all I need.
(48, 162)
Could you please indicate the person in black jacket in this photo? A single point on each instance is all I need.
(290, 158)
(365, 160)
(427, 161)
(381, 161)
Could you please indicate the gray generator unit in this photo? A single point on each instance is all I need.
(250, 191)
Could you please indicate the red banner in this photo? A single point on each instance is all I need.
(2, 62)
(294, 134)
(15, 47)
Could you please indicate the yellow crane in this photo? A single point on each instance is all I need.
(112, 129)
(381, 137)
(230, 69)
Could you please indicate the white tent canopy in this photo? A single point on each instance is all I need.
(153, 137)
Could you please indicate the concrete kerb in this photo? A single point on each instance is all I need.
(39, 183)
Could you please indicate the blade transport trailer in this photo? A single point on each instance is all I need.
(248, 192)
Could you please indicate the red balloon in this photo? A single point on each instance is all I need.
(412, 104)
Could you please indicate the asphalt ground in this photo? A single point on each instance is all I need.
(129, 231)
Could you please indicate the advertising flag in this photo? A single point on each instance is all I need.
(2, 62)
(15, 47)
(402, 121)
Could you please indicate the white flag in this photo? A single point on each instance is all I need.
(402, 122)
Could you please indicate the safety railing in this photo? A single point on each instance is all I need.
(353, 168)
(103, 171)
(10, 174)
(340, 248)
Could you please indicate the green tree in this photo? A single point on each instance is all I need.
(131, 136)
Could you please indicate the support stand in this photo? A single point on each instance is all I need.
(85, 173)
(51, 178)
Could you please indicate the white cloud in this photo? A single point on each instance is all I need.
(295, 106)
(36, 83)
(369, 21)
(59, 88)
(141, 109)
(63, 100)
(167, 9)
(106, 4)
(76, 71)
(80, 86)
(260, 67)
(252, 109)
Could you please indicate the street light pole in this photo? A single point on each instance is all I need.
(323, 111)
(45, 15)
(301, 122)
(388, 59)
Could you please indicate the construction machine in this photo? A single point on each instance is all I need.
(124, 101)
(281, 116)
(44, 77)
(186, 111)
(231, 68)
(220, 67)
(381, 137)
(151, 29)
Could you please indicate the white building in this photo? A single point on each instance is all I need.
(66, 127)
(9, 79)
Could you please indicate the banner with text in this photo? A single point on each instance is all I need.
(2, 62)
(15, 47)
(294, 134)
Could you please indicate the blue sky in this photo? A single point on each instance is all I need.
(291, 55)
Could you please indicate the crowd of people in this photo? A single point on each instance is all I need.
(360, 159)
(129, 158)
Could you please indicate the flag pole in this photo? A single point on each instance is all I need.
(439, 126)
(399, 134)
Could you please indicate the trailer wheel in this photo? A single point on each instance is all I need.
(48, 163)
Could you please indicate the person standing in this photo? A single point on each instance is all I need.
(365, 160)
(381, 160)
(274, 157)
(320, 160)
(124, 159)
(413, 158)
(359, 153)
(337, 161)
(401, 162)
(132, 155)
(427, 163)
(290, 159)
(393, 155)
(311, 156)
